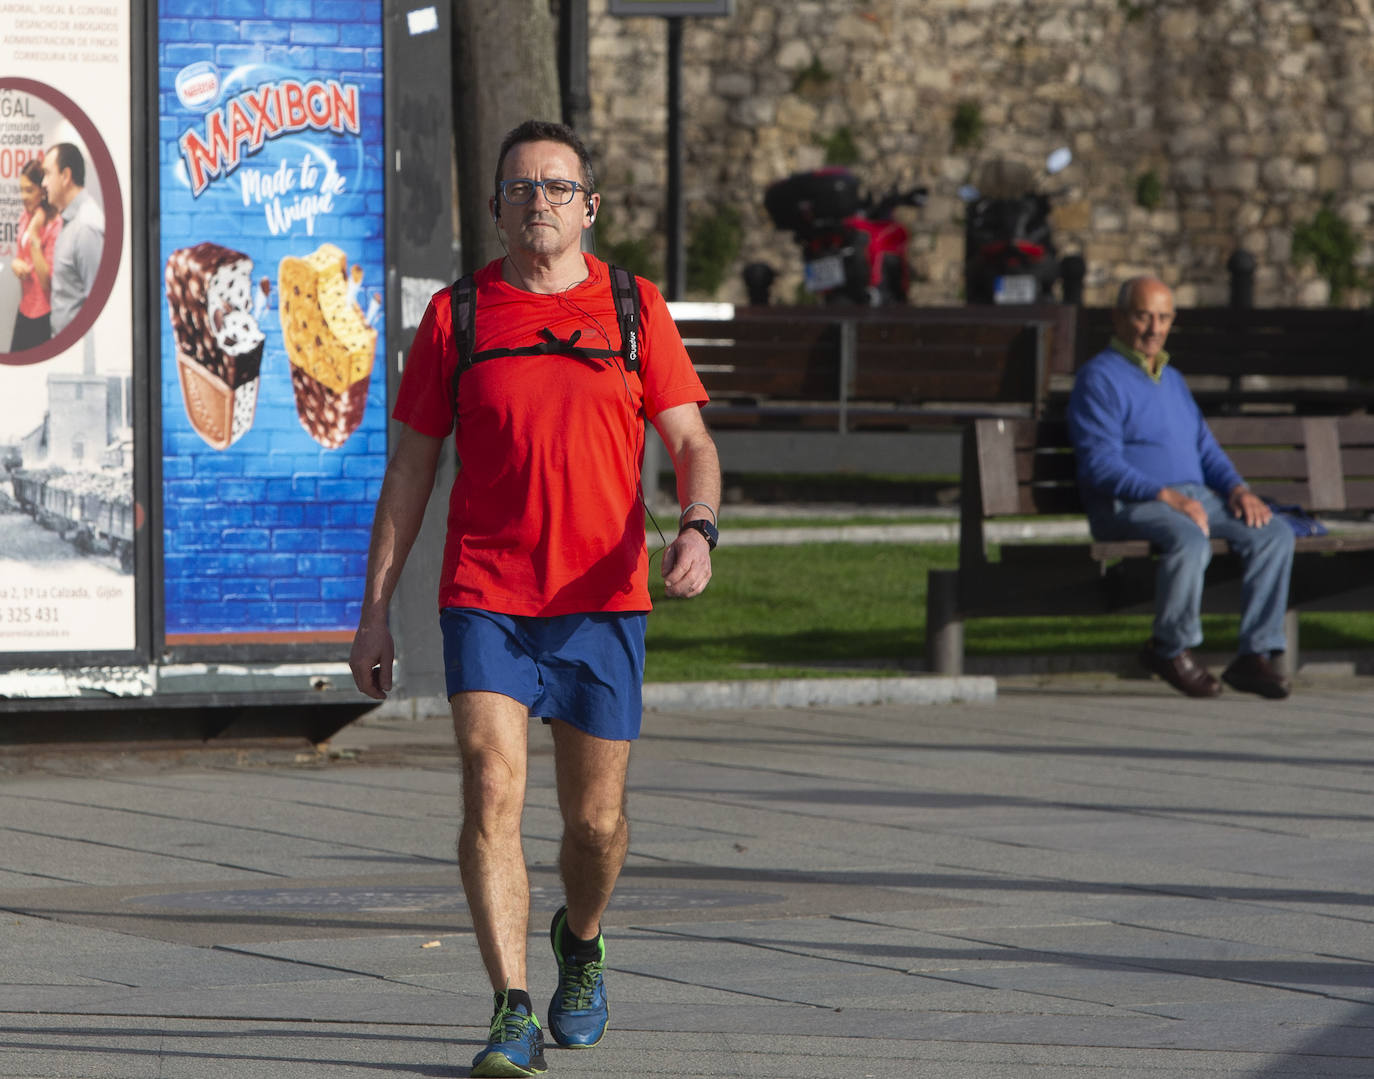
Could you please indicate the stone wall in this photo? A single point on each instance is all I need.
(1249, 113)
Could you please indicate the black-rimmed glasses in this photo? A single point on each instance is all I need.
(558, 192)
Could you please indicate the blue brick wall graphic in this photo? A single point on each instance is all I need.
(272, 330)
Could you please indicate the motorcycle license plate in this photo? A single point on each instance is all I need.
(1015, 288)
(824, 273)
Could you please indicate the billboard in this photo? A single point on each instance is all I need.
(68, 519)
(272, 331)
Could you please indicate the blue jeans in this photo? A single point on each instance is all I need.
(1266, 553)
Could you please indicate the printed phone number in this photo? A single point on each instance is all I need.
(24, 616)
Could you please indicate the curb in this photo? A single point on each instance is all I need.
(759, 693)
(935, 532)
(808, 692)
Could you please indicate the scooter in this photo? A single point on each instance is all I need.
(1009, 253)
(853, 249)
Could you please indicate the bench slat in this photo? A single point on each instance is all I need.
(1359, 462)
(1002, 384)
(1247, 431)
(1286, 494)
(1256, 464)
(1359, 494)
(760, 331)
(1356, 430)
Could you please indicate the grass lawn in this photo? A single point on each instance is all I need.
(837, 609)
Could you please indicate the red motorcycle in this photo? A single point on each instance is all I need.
(1009, 252)
(853, 250)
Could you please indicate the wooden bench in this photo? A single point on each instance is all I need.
(858, 369)
(1277, 360)
(1026, 467)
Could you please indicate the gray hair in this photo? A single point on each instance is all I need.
(1127, 291)
(1126, 294)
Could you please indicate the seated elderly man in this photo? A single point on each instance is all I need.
(1149, 468)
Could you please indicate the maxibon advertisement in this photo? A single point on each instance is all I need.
(272, 257)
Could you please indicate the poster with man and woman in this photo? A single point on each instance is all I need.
(67, 512)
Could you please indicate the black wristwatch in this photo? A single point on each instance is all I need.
(705, 527)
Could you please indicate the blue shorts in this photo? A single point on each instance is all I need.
(585, 669)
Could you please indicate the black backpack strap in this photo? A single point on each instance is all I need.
(625, 291)
(462, 301)
(463, 305)
(551, 345)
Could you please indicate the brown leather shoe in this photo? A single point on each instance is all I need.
(1182, 672)
(1254, 673)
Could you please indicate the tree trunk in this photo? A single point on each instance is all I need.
(505, 72)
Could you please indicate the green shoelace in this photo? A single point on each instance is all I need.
(581, 985)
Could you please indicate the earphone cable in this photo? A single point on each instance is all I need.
(638, 445)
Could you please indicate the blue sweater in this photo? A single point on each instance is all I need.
(1133, 435)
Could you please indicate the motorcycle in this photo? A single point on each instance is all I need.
(1009, 253)
(853, 249)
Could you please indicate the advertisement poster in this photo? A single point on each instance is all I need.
(67, 513)
(272, 334)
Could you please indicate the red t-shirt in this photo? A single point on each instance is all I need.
(544, 517)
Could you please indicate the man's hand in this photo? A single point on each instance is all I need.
(1189, 507)
(371, 659)
(687, 565)
(1249, 507)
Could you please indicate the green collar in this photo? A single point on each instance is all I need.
(1139, 359)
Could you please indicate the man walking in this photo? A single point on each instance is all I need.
(544, 587)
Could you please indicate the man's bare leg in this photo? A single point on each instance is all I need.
(596, 833)
(493, 736)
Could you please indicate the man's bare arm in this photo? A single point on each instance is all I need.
(400, 512)
(687, 561)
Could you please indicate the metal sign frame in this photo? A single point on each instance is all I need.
(671, 8)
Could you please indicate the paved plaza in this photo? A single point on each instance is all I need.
(1070, 878)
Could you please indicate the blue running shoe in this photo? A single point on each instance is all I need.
(515, 1045)
(577, 1013)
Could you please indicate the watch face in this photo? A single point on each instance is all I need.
(707, 529)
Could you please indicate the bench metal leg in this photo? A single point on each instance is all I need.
(944, 623)
(1288, 662)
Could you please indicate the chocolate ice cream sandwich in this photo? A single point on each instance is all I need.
(219, 345)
